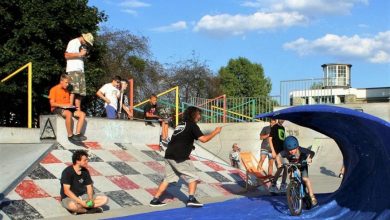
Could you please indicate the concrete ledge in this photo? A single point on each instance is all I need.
(19, 135)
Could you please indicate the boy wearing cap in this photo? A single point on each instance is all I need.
(75, 53)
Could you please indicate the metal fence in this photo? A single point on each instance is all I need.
(223, 109)
(309, 91)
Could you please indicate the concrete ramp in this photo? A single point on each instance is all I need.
(15, 161)
(125, 165)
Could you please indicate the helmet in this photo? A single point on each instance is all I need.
(290, 143)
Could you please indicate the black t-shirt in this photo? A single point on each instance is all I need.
(278, 135)
(152, 109)
(78, 183)
(182, 141)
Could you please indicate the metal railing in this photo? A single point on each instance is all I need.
(310, 91)
(29, 89)
(176, 100)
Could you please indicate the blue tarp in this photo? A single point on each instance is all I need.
(364, 141)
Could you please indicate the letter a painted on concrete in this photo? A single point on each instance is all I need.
(48, 131)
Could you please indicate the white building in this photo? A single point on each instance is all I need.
(336, 89)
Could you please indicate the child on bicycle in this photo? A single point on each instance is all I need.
(295, 154)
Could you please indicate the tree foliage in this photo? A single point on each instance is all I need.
(194, 78)
(241, 78)
(38, 31)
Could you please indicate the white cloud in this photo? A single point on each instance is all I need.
(239, 24)
(375, 49)
(307, 7)
(129, 6)
(180, 25)
(134, 4)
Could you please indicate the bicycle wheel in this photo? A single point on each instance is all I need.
(294, 199)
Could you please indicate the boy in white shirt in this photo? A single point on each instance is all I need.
(109, 93)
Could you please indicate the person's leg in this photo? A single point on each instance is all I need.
(192, 187)
(260, 165)
(68, 122)
(77, 102)
(164, 132)
(80, 121)
(270, 166)
(73, 206)
(100, 201)
(161, 189)
(72, 95)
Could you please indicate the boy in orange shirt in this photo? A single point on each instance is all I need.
(60, 104)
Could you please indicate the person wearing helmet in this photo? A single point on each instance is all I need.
(295, 153)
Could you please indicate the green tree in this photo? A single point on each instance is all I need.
(194, 78)
(38, 31)
(241, 78)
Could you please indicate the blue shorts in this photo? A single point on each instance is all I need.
(110, 112)
(266, 152)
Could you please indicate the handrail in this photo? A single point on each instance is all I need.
(234, 113)
(176, 101)
(208, 110)
(29, 89)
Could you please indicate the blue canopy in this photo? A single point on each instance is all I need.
(364, 141)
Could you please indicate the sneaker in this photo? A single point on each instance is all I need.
(156, 203)
(341, 175)
(314, 201)
(273, 189)
(194, 203)
(283, 188)
(94, 210)
(74, 138)
(81, 137)
(164, 143)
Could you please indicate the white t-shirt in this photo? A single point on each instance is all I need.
(111, 93)
(76, 64)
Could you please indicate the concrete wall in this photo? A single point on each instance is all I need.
(107, 130)
(19, 135)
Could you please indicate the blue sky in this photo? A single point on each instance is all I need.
(291, 39)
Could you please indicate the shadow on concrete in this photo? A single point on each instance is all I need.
(327, 172)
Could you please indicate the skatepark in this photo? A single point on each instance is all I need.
(127, 166)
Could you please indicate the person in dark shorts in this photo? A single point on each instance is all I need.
(276, 140)
(60, 104)
(177, 161)
(265, 150)
(77, 194)
(151, 113)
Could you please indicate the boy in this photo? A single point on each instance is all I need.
(177, 161)
(234, 156)
(266, 149)
(110, 95)
(124, 105)
(295, 153)
(60, 104)
(275, 140)
(151, 113)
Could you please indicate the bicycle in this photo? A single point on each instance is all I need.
(296, 190)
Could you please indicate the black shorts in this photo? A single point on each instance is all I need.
(304, 171)
(59, 111)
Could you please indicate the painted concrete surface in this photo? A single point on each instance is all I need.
(127, 167)
(16, 159)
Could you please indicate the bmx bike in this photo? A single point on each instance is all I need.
(296, 193)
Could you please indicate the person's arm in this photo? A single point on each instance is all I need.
(310, 154)
(72, 196)
(90, 192)
(271, 145)
(73, 53)
(55, 104)
(101, 95)
(206, 138)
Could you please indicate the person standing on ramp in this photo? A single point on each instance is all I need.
(177, 161)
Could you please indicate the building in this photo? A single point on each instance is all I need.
(335, 88)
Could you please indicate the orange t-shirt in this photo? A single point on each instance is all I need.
(59, 96)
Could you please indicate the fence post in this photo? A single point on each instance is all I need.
(224, 108)
(177, 105)
(131, 95)
(29, 95)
